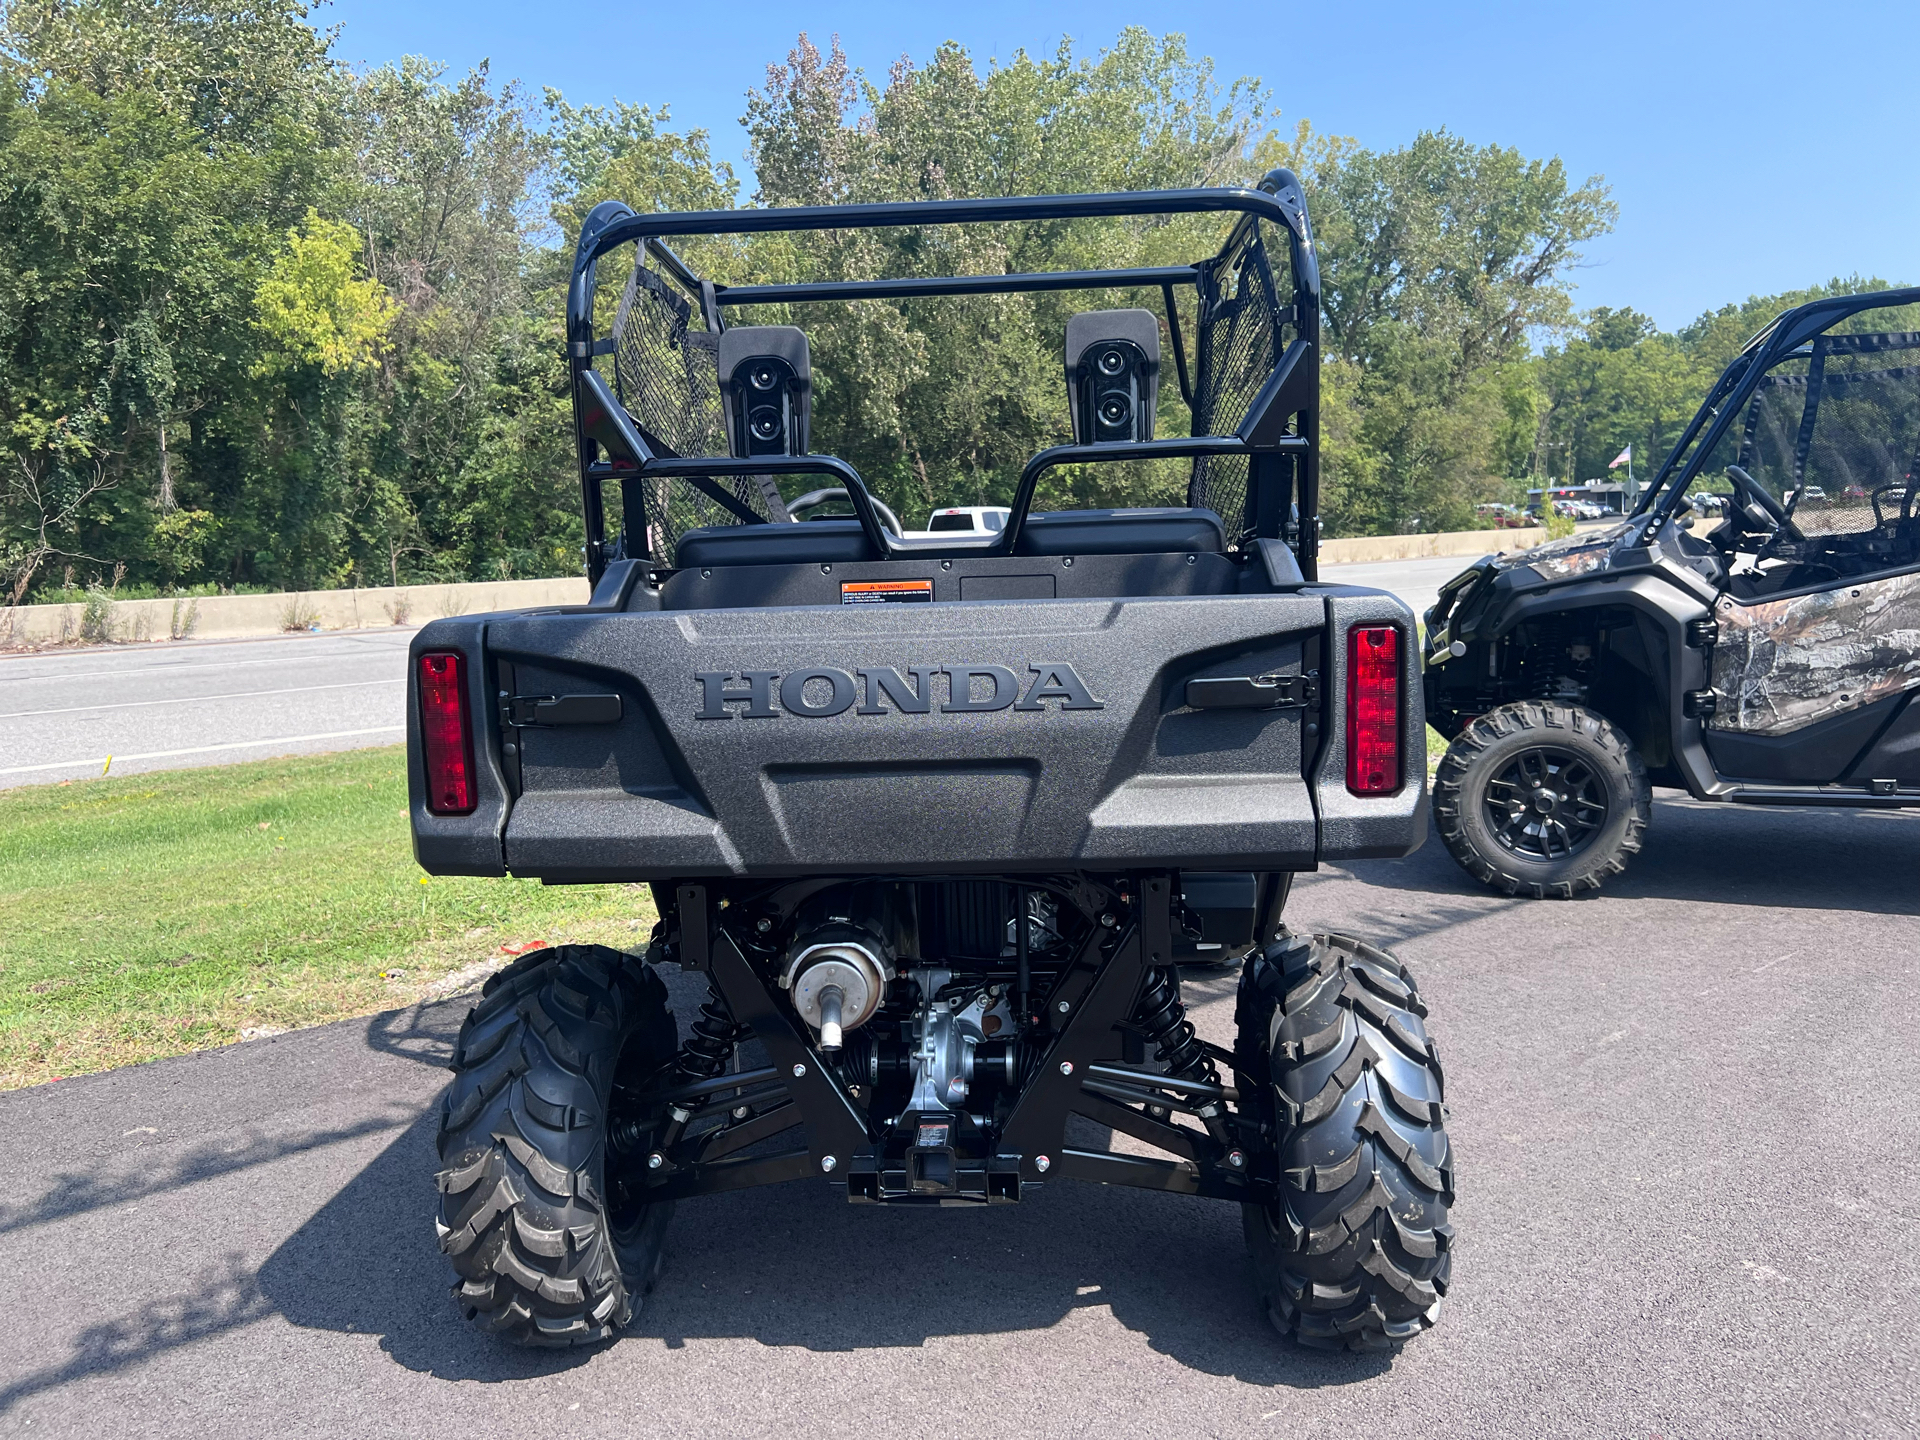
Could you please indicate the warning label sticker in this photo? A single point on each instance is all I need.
(885, 592)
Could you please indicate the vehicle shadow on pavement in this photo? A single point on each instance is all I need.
(225, 1297)
(1865, 861)
(1805, 859)
(773, 1266)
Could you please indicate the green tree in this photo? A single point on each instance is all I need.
(154, 154)
(1438, 262)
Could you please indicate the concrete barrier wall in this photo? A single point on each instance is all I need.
(219, 617)
(229, 617)
(1375, 548)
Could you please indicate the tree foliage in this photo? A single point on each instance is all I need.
(266, 321)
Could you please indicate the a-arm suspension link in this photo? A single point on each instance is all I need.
(1162, 1018)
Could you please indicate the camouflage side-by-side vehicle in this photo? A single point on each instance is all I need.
(1772, 658)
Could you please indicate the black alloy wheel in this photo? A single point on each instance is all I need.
(1546, 803)
(1542, 798)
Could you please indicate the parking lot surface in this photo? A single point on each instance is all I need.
(1688, 1154)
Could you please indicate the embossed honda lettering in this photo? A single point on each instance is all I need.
(823, 691)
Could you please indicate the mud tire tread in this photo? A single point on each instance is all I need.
(522, 1147)
(1456, 791)
(1358, 1252)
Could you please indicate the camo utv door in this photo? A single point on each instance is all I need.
(1817, 662)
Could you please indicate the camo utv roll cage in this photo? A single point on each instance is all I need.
(1781, 338)
(1254, 399)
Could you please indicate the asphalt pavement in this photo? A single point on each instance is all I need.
(1687, 1146)
(1417, 582)
(122, 709)
(65, 714)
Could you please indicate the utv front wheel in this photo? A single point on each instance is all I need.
(1355, 1250)
(549, 1249)
(1542, 799)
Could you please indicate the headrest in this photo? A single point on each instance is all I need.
(1113, 374)
(766, 380)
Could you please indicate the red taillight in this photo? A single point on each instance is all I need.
(446, 733)
(1373, 709)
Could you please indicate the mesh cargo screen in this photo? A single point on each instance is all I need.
(666, 375)
(1836, 433)
(1243, 330)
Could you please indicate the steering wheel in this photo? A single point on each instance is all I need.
(1901, 493)
(814, 499)
(1750, 491)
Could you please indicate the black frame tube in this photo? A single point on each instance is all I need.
(1279, 200)
(911, 287)
(890, 547)
(1785, 334)
(1178, 343)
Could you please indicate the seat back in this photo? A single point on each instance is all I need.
(1153, 531)
(811, 542)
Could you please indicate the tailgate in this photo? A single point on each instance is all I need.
(914, 740)
(909, 739)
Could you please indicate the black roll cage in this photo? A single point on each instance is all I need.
(1781, 337)
(1279, 433)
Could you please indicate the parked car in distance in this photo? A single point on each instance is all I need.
(1504, 517)
(967, 520)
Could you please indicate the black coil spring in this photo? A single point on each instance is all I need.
(711, 1045)
(1163, 1020)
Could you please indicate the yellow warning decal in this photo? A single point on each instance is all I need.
(885, 592)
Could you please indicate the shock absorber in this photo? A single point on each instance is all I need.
(1163, 1018)
(710, 1047)
(708, 1051)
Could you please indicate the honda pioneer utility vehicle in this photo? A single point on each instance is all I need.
(1771, 659)
(939, 816)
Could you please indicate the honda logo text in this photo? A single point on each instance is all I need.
(819, 693)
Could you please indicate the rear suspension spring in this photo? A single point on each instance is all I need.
(1162, 1018)
(710, 1047)
(708, 1051)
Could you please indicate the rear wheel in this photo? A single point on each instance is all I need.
(1356, 1249)
(1543, 799)
(547, 1251)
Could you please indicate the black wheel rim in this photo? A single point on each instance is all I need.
(1546, 804)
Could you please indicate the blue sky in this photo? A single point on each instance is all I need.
(1752, 147)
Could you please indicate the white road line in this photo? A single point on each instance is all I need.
(180, 666)
(189, 699)
(205, 749)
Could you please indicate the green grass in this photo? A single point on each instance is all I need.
(158, 914)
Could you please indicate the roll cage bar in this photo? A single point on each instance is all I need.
(1279, 432)
(1781, 336)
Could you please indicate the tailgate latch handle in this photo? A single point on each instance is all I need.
(1252, 692)
(531, 710)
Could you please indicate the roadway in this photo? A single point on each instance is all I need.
(1686, 1145)
(66, 714)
